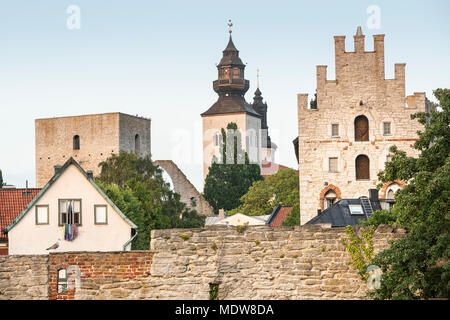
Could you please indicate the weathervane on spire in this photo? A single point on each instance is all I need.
(230, 24)
(257, 78)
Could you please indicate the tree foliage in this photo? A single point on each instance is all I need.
(279, 188)
(1, 179)
(138, 189)
(417, 266)
(230, 177)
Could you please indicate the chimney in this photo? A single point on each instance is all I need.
(222, 214)
(57, 168)
(373, 195)
(90, 174)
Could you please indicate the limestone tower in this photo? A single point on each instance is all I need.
(89, 139)
(345, 134)
(231, 106)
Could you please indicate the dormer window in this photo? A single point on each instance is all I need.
(76, 142)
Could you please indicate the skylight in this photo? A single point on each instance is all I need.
(356, 209)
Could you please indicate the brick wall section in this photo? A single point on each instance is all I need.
(307, 262)
(111, 275)
(23, 277)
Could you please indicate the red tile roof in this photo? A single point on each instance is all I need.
(277, 220)
(269, 168)
(12, 203)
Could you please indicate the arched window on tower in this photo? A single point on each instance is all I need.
(137, 144)
(362, 164)
(361, 128)
(76, 142)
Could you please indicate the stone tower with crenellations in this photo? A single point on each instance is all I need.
(346, 132)
(89, 139)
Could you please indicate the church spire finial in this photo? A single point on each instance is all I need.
(230, 24)
(257, 78)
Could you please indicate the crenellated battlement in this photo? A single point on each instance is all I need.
(327, 125)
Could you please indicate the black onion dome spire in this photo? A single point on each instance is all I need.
(261, 107)
(231, 84)
(231, 55)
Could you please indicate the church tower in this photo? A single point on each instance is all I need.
(267, 146)
(231, 106)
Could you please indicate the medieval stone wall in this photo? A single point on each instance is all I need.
(360, 88)
(181, 185)
(24, 277)
(307, 262)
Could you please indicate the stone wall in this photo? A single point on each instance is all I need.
(24, 277)
(360, 88)
(185, 188)
(307, 262)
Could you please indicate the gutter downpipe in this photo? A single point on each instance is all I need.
(129, 241)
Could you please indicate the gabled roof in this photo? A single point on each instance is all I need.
(59, 173)
(278, 215)
(12, 202)
(269, 168)
(339, 214)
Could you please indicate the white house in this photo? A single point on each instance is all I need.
(238, 219)
(71, 197)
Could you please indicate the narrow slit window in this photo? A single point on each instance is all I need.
(76, 142)
(386, 128)
(62, 280)
(335, 130)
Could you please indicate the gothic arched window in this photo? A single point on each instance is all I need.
(361, 128)
(76, 142)
(137, 144)
(362, 167)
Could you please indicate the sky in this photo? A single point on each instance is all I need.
(157, 59)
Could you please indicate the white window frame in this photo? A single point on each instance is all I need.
(37, 214)
(95, 214)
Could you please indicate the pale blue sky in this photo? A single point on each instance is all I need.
(156, 59)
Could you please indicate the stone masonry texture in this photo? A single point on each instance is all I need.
(181, 185)
(100, 136)
(360, 88)
(307, 262)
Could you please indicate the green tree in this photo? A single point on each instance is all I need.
(279, 188)
(380, 217)
(138, 189)
(1, 179)
(417, 265)
(229, 179)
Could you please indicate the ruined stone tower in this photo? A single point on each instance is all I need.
(345, 134)
(89, 139)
